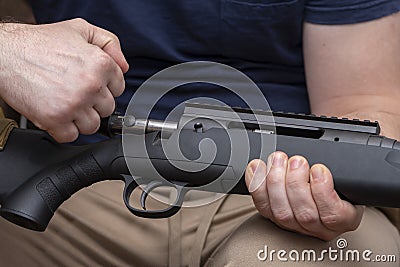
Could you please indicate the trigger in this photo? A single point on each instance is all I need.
(149, 187)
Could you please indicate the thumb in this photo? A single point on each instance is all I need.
(109, 43)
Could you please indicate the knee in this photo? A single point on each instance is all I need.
(259, 241)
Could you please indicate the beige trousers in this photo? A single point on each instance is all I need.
(94, 228)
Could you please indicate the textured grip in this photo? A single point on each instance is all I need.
(33, 204)
(84, 172)
(49, 193)
(38, 174)
(68, 180)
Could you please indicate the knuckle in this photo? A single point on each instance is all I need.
(53, 116)
(262, 205)
(79, 20)
(107, 106)
(59, 114)
(265, 210)
(274, 177)
(71, 105)
(307, 217)
(103, 60)
(331, 220)
(320, 196)
(88, 122)
(293, 182)
(92, 127)
(273, 180)
(284, 217)
(332, 215)
(114, 37)
(93, 84)
(75, 102)
(121, 84)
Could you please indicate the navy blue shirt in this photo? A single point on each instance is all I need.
(262, 38)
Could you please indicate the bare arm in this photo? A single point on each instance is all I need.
(354, 70)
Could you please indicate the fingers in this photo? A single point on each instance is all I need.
(88, 121)
(95, 98)
(255, 177)
(105, 103)
(276, 188)
(335, 214)
(283, 192)
(79, 71)
(111, 58)
(299, 195)
(109, 43)
(64, 133)
(116, 81)
(105, 72)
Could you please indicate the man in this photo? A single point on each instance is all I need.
(63, 76)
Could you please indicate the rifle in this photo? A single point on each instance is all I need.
(38, 174)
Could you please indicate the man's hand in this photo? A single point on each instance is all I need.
(300, 199)
(62, 76)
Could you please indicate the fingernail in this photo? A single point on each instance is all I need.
(259, 176)
(317, 173)
(278, 160)
(295, 163)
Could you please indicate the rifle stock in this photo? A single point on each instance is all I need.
(38, 174)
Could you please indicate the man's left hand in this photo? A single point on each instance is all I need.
(299, 198)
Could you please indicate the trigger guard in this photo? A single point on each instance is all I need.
(131, 184)
(146, 191)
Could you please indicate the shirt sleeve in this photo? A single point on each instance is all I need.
(348, 11)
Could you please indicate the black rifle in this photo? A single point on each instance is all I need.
(38, 174)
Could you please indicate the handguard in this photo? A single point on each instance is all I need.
(38, 175)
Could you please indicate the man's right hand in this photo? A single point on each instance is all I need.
(62, 76)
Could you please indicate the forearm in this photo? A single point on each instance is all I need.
(381, 108)
(353, 70)
(6, 37)
(10, 41)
